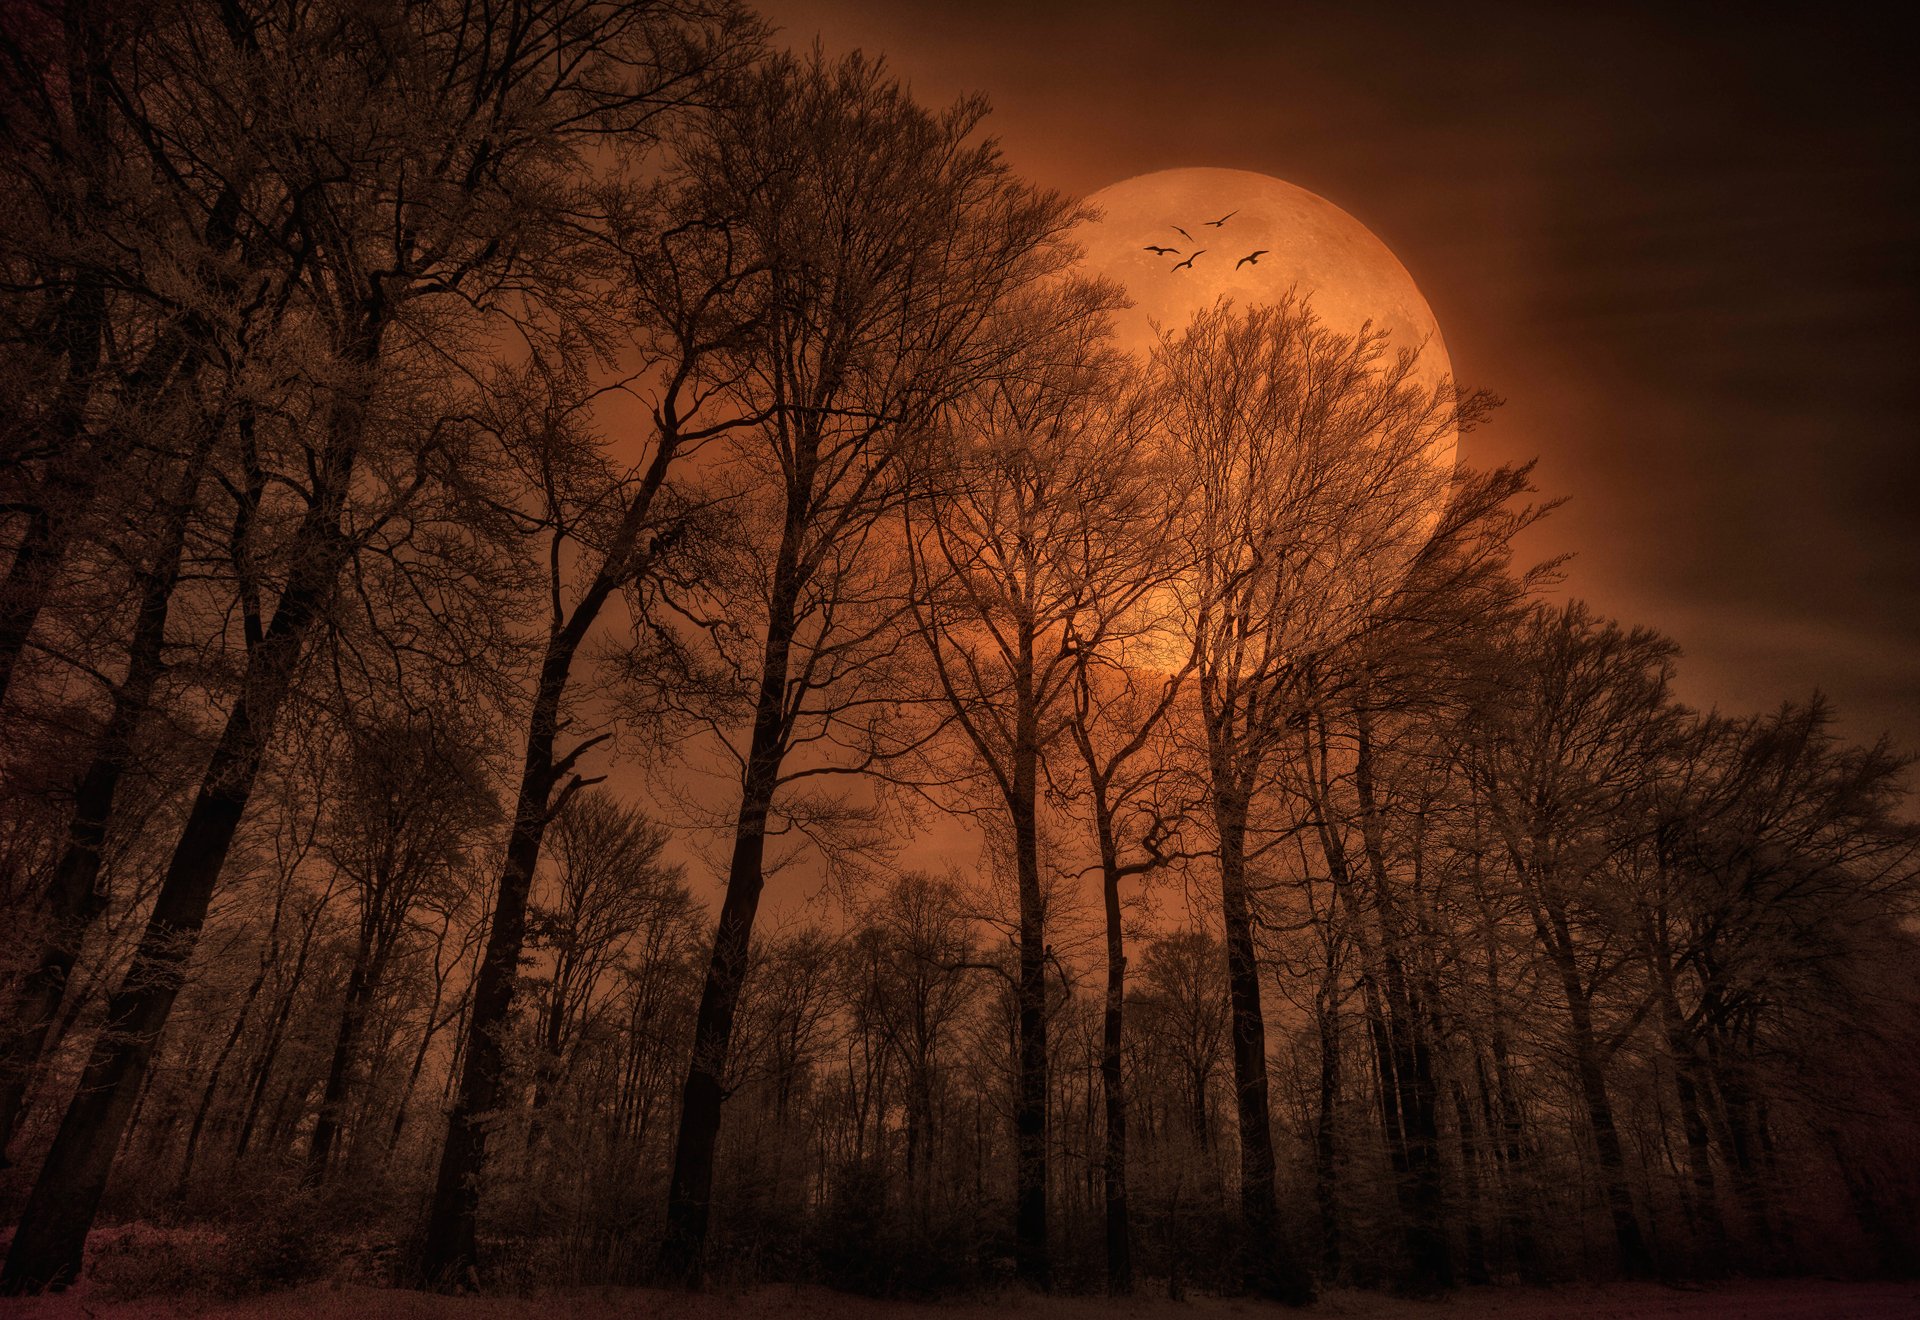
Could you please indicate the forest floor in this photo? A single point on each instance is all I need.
(1792, 1299)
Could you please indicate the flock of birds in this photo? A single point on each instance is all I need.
(1252, 258)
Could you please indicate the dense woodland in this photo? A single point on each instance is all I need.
(608, 677)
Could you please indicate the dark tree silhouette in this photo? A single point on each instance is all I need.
(1312, 459)
(886, 240)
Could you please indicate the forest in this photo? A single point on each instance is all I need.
(606, 676)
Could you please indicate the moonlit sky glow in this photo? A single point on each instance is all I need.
(1678, 240)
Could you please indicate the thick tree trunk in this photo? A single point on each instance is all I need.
(690, 1190)
(450, 1254)
(1268, 1268)
(72, 902)
(1112, 1076)
(46, 1250)
(1325, 1131)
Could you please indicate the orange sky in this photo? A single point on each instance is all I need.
(1679, 240)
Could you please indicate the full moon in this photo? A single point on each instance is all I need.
(1178, 241)
(1306, 244)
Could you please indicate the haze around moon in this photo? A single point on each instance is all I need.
(1312, 247)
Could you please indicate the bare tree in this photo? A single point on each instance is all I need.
(1184, 1005)
(417, 197)
(609, 884)
(604, 524)
(885, 240)
(1773, 846)
(1584, 719)
(913, 958)
(1375, 771)
(1314, 461)
(1038, 541)
(1121, 708)
(411, 801)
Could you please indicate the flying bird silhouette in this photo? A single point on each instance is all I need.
(1223, 219)
(1159, 251)
(1253, 257)
(1189, 261)
(1183, 233)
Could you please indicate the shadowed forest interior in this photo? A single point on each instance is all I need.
(606, 674)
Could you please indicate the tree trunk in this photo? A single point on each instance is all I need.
(72, 903)
(1745, 1133)
(1703, 1201)
(1268, 1268)
(46, 1250)
(346, 1037)
(1430, 1266)
(1516, 1162)
(1325, 1134)
(1470, 1157)
(449, 1256)
(1500, 1099)
(690, 1192)
(214, 1073)
(1112, 1078)
(449, 1253)
(276, 1034)
(1032, 1260)
(80, 457)
(1635, 1260)
(73, 472)
(431, 1029)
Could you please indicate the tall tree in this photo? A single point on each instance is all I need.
(1579, 727)
(1118, 721)
(886, 239)
(605, 525)
(1375, 770)
(1774, 845)
(138, 348)
(1038, 537)
(420, 168)
(1316, 463)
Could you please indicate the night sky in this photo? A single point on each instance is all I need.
(1678, 240)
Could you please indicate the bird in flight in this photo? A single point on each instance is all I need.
(1223, 219)
(1159, 251)
(1253, 257)
(1183, 233)
(1189, 261)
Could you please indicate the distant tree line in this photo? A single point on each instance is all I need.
(461, 460)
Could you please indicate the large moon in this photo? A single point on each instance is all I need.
(1310, 246)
